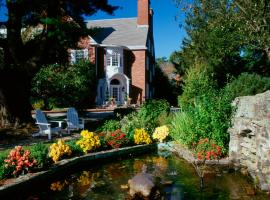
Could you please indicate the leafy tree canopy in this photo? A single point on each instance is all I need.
(38, 33)
(228, 36)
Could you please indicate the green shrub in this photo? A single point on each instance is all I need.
(40, 152)
(37, 104)
(75, 149)
(4, 172)
(121, 112)
(247, 84)
(129, 123)
(65, 86)
(198, 82)
(206, 111)
(110, 125)
(151, 111)
(208, 118)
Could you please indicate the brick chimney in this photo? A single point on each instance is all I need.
(143, 13)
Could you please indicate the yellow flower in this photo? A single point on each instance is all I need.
(89, 141)
(141, 137)
(161, 133)
(57, 150)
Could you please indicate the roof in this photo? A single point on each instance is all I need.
(120, 32)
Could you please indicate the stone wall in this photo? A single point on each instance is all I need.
(250, 137)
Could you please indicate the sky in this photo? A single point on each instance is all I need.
(168, 35)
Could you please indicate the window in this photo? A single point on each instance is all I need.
(78, 55)
(113, 59)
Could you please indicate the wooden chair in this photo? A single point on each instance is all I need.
(45, 127)
(73, 120)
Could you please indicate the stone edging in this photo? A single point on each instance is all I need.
(23, 183)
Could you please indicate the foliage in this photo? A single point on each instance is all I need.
(110, 125)
(19, 161)
(198, 83)
(69, 85)
(150, 112)
(206, 110)
(207, 150)
(161, 133)
(75, 149)
(129, 123)
(247, 84)
(228, 36)
(4, 172)
(141, 137)
(116, 139)
(39, 152)
(38, 104)
(60, 25)
(88, 142)
(58, 150)
(121, 112)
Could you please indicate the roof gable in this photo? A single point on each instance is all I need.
(122, 32)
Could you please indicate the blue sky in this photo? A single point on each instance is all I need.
(167, 34)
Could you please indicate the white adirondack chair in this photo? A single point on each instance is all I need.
(73, 120)
(45, 127)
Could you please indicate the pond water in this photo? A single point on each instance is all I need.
(108, 181)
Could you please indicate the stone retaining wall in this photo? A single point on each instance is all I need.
(250, 137)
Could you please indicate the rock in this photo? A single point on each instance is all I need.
(141, 184)
(250, 135)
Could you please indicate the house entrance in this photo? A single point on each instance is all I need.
(115, 90)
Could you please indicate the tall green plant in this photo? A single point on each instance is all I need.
(209, 117)
(198, 83)
(150, 112)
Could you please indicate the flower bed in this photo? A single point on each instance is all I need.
(62, 167)
(41, 160)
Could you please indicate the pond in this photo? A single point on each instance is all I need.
(108, 181)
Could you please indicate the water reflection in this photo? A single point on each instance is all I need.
(177, 181)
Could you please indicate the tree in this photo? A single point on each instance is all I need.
(65, 86)
(226, 35)
(60, 23)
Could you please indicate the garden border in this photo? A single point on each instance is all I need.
(24, 183)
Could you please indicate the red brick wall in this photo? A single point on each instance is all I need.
(138, 76)
(143, 12)
(92, 54)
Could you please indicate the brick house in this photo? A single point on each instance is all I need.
(124, 55)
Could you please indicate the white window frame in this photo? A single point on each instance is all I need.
(113, 57)
(77, 55)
